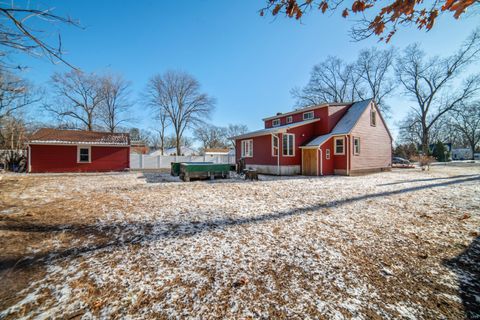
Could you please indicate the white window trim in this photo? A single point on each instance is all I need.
(293, 148)
(327, 154)
(309, 112)
(289, 119)
(242, 146)
(89, 154)
(354, 149)
(335, 146)
(278, 146)
(276, 121)
(373, 123)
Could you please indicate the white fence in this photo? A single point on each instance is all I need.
(145, 161)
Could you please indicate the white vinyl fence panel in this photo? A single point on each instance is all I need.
(145, 161)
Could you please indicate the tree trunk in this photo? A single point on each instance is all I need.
(425, 148)
(177, 142)
(472, 146)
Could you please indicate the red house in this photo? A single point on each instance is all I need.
(52, 150)
(332, 138)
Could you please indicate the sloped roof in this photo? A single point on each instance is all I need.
(57, 136)
(346, 123)
(276, 129)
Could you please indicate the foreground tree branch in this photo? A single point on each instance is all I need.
(376, 17)
(17, 34)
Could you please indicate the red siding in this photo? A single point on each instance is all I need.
(327, 164)
(320, 112)
(55, 158)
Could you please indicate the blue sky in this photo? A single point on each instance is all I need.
(247, 62)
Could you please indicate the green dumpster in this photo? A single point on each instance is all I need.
(197, 170)
(175, 167)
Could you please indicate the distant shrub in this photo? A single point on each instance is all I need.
(424, 161)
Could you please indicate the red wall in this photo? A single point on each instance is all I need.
(262, 146)
(321, 112)
(327, 165)
(49, 158)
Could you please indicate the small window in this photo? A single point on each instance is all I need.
(373, 118)
(247, 148)
(339, 146)
(274, 145)
(288, 144)
(275, 122)
(356, 145)
(308, 115)
(327, 154)
(83, 154)
(289, 119)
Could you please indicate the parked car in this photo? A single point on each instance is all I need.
(398, 160)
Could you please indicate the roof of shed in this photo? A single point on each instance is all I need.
(58, 136)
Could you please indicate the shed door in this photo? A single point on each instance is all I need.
(309, 162)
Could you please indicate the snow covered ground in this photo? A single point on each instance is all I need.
(401, 244)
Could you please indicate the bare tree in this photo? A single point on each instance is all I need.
(430, 82)
(12, 141)
(374, 68)
(171, 142)
(141, 135)
(235, 130)
(467, 121)
(151, 96)
(178, 95)
(330, 81)
(211, 136)
(15, 94)
(115, 103)
(164, 122)
(20, 31)
(79, 97)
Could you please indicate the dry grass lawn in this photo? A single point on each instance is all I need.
(401, 244)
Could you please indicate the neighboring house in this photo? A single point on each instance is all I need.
(52, 150)
(139, 147)
(334, 138)
(185, 151)
(462, 154)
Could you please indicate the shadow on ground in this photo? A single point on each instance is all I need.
(467, 267)
(429, 179)
(126, 233)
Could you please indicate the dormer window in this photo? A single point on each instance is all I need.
(289, 119)
(275, 122)
(308, 115)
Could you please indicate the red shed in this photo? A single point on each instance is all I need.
(332, 138)
(52, 150)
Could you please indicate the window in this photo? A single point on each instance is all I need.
(356, 145)
(247, 148)
(339, 145)
(308, 115)
(288, 144)
(327, 154)
(274, 145)
(83, 154)
(275, 122)
(373, 118)
(289, 119)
